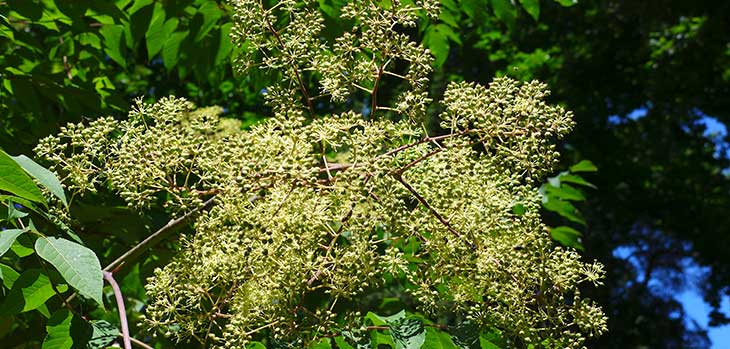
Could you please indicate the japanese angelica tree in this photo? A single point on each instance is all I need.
(342, 194)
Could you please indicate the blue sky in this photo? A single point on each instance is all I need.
(691, 299)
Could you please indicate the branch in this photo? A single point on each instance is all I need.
(156, 237)
(120, 308)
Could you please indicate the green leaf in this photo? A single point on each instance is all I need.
(565, 209)
(532, 7)
(465, 335)
(485, 343)
(8, 275)
(112, 35)
(519, 209)
(157, 33)
(567, 3)
(58, 329)
(255, 345)
(76, 263)
(226, 45)
(171, 50)
(564, 192)
(45, 177)
(7, 238)
(408, 333)
(584, 166)
(210, 13)
(437, 42)
(66, 331)
(23, 245)
(505, 11)
(30, 291)
(323, 343)
(576, 180)
(567, 236)
(103, 334)
(436, 339)
(13, 179)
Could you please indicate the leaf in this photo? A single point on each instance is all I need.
(438, 43)
(66, 331)
(408, 333)
(324, 343)
(8, 275)
(78, 265)
(567, 3)
(58, 329)
(45, 177)
(565, 209)
(567, 236)
(564, 192)
(30, 291)
(519, 209)
(171, 50)
(532, 7)
(13, 179)
(576, 180)
(103, 334)
(465, 335)
(505, 11)
(210, 13)
(436, 339)
(112, 35)
(584, 166)
(156, 35)
(225, 46)
(255, 345)
(7, 238)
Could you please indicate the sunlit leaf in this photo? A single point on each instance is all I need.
(45, 177)
(13, 179)
(78, 265)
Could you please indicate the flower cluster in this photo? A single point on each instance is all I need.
(314, 213)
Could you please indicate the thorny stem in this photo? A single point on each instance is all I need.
(120, 307)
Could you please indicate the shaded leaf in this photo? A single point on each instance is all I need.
(45, 177)
(103, 334)
(408, 333)
(505, 11)
(436, 339)
(30, 291)
(112, 35)
(567, 3)
(78, 265)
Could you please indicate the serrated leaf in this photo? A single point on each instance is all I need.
(567, 236)
(78, 265)
(30, 291)
(103, 334)
(7, 238)
(408, 333)
(8, 275)
(13, 179)
(45, 177)
(532, 7)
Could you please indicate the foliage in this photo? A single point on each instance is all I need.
(318, 211)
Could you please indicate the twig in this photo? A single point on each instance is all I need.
(140, 343)
(423, 201)
(120, 308)
(156, 237)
